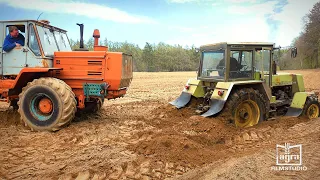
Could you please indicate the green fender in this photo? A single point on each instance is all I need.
(218, 101)
(297, 104)
(193, 88)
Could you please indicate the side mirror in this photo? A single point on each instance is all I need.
(294, 52)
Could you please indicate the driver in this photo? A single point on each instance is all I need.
(13, 39)
(234, 65)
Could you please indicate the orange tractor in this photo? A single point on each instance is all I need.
(48, 82)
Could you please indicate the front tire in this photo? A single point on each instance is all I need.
(47, 104)
(312, 108)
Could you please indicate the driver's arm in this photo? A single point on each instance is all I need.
(7, 45)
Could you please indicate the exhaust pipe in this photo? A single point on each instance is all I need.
(81, 35)
(96, 36)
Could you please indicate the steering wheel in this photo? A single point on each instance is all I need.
(245, 67)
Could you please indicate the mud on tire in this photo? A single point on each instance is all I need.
(58, 109)
(238, 96)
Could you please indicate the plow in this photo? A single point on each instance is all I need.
(242, 82)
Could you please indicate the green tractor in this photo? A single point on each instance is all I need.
(240, 80)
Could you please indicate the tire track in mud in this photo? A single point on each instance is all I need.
(246, 168)
(97, 143)
(252, 139)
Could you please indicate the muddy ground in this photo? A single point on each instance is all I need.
(142, 137)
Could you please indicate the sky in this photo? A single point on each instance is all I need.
(184, 22)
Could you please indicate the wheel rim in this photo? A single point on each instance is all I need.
(313, 111)
(247, 114)
(41, 107)
(45, 105)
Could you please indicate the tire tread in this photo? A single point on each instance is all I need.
(65, 94)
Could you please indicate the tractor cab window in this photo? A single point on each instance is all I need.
(213, 64)
(48, 42)
(62, 41)
(262, 60)
(33, 41)
(240, 64)
(18, 31)
(21, 29)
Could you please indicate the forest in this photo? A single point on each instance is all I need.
(166, 58)
(307, 44)
(153, 57)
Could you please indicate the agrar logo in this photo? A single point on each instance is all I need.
(289, 158)
(289, 155)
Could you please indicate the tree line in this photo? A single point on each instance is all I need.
(307, 44)
(152, 57)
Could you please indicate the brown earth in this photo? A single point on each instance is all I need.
(140, 136)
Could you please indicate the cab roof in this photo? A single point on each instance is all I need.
(240, 43)
(34, 21)
(236, 45)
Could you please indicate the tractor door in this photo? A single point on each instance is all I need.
(266, 65)
(34, 55)
(262, 68)
(14, 60)
(241, 64)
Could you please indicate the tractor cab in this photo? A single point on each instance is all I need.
(235, 61)
(41, 41)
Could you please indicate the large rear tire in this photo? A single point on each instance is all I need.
(47, 104)
(246, 107)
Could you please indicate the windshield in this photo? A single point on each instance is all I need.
(50, 44)
(62, 41)
(47, 41)
(213, 64)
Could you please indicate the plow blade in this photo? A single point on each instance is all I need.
(182, 100)
(295, 112)
(216, 107)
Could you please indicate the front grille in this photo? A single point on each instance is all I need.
(94, 63)
(94, 73)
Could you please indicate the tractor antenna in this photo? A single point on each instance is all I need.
(39, 16)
